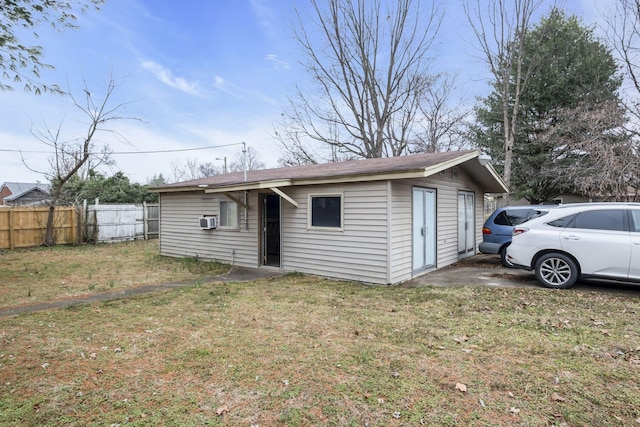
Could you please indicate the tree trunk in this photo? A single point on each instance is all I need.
(49, 238)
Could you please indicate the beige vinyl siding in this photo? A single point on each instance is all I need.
(374, 245)
(357, 252)
(402, 233)
(181, 236)
(447, 187)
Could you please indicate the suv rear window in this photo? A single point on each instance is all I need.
(512, 217)
(562, 222)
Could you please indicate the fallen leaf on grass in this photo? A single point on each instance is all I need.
(222, 410)
(461, 387)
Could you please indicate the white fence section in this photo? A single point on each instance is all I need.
(111, 223)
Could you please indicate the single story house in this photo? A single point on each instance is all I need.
(24, 194)
(380, 221)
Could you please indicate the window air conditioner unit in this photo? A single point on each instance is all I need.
(208, 222)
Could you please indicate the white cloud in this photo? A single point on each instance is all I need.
(166, 76)
(266, 15)
(236, 91)
(276, 62)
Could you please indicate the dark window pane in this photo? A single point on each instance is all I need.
(562, 222)
(511, 217)
(635, 215)
(535, 213)
(326, 211)
(601, 220)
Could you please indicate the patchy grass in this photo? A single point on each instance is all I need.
(41, 274)
(301, 351)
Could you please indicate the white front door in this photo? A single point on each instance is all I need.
(466, 223)
(424, 229)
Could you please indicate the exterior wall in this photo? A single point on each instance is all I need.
(374, 246)
(181, 236)
(447, 186)
(357, 252)
(4, 192)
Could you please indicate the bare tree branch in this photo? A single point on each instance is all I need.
(500, 28)
(371, 74)
(71, 156)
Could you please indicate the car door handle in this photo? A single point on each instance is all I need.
(571, 237)
(637, 243)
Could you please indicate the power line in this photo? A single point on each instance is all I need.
(127, 152)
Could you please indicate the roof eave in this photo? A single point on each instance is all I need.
(256, 185)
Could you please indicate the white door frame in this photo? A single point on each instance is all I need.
(466, 223)
(424, 228)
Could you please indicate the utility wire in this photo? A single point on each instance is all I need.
(127, 152)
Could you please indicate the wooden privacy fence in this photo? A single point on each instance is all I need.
(24, 227)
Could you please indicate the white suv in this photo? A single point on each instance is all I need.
(580, 240)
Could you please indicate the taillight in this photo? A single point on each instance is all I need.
(485, 230)
(519, 230)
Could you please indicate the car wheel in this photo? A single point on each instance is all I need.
(555, 270)
(503, 258)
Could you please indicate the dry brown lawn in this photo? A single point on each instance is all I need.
(303, 351)
(41, 274)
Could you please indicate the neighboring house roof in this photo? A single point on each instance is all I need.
(19, 189)
(402, 167)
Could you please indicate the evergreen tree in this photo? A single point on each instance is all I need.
(113, 189)
(574, 77)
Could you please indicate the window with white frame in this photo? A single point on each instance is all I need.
(228, 214)
(325, 211)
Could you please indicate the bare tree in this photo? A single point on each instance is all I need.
(252, 160)
(500, 28)
(624, 34)
(370, 65)
(594, 154)
(192, 169)
(70, 157)
(442, 122)
(209, 169)
(187, 171)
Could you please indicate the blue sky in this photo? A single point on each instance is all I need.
(197, 73)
